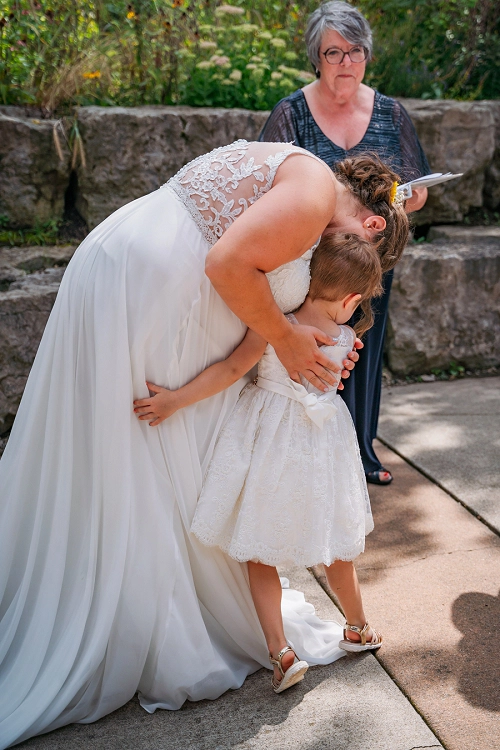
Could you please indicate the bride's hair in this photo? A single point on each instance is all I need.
(344, 264)
(371, 181)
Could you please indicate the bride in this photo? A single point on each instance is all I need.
(103, 590)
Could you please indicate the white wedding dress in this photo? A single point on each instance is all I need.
(103, 590)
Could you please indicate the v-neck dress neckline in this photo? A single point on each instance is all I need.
(324, 135)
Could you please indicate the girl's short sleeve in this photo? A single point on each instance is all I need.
(413, 159)
(280, 126)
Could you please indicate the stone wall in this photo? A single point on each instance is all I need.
(445, 301)
(456, 137)
(445, 305)
(131, 151)
(29, 280)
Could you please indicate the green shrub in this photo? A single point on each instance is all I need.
(56, 54)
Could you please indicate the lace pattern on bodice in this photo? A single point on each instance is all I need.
(271, 368)
(290, 283)
(209, 185)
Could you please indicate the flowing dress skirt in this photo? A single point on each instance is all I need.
(103, 590)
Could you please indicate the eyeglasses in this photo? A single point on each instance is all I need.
(336, 56)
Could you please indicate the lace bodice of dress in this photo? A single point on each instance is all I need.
(271, 368)
(217, 187)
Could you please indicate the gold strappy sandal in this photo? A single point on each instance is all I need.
(295, 673)
(363, 645)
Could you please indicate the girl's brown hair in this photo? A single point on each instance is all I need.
(371, 180)
(344, 264)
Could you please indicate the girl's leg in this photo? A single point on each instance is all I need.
(343, 581)
(266, 593)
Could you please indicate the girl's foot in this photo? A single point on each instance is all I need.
(381, 476)
(288, 670)
(360, 639)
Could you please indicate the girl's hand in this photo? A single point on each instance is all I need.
(350, 362)
(159, 407)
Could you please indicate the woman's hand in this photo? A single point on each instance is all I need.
(350, 362)
(155, 409)
(417, 200)
(300, 354)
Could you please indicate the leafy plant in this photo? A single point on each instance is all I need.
(46, 233)
(56, 54)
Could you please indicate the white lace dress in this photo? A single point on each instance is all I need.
(103, 590)
(282, 488)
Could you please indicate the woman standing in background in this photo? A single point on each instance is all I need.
(336, 117)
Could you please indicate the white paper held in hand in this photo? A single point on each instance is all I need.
(403, 192)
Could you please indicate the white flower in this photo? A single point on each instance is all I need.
(221, 61)
(276, 76)
(277, 42)
(245, 28)
(208, 45)
(289, 71)
(205, 65)
(251, 66)
(305, 76)
(256, 59)
(265, 35)
(235, 75)
(230, 10)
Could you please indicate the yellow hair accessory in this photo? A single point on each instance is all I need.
(393, 193)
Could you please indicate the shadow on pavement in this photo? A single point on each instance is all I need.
(477, 616)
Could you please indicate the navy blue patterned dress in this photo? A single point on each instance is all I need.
(392, 136)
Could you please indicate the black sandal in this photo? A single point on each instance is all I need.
(373, 477)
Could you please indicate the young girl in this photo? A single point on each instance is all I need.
(286, 484)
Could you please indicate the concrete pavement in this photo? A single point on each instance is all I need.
(450, 430)
(352, 704)
(430, 578)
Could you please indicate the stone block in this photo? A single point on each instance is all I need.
(492, 176)
(33, 180)
(456, 137)
(462, 232)
(133, 151)
(445, 306)
(29, 280)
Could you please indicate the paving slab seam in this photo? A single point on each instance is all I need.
(428, 557)
(441, 486)
(321, 582)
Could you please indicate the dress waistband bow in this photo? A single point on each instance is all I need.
(319, 409)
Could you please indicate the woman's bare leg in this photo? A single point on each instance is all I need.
(343, 581)
(266, 593)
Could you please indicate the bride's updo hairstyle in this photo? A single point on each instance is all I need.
(344, 264)
(371, 181)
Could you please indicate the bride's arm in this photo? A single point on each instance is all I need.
(278, 228)
(214, 379)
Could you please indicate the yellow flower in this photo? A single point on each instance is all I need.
(130, 14)
(95, 74)
(392, 196)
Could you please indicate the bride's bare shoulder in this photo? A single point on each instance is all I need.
(304, 167)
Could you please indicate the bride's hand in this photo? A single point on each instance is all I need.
(155, 409)
(300, 354)
(350, 362)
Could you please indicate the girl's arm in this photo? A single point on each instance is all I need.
(213, 380)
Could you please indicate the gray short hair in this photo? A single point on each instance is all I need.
(341, 17)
